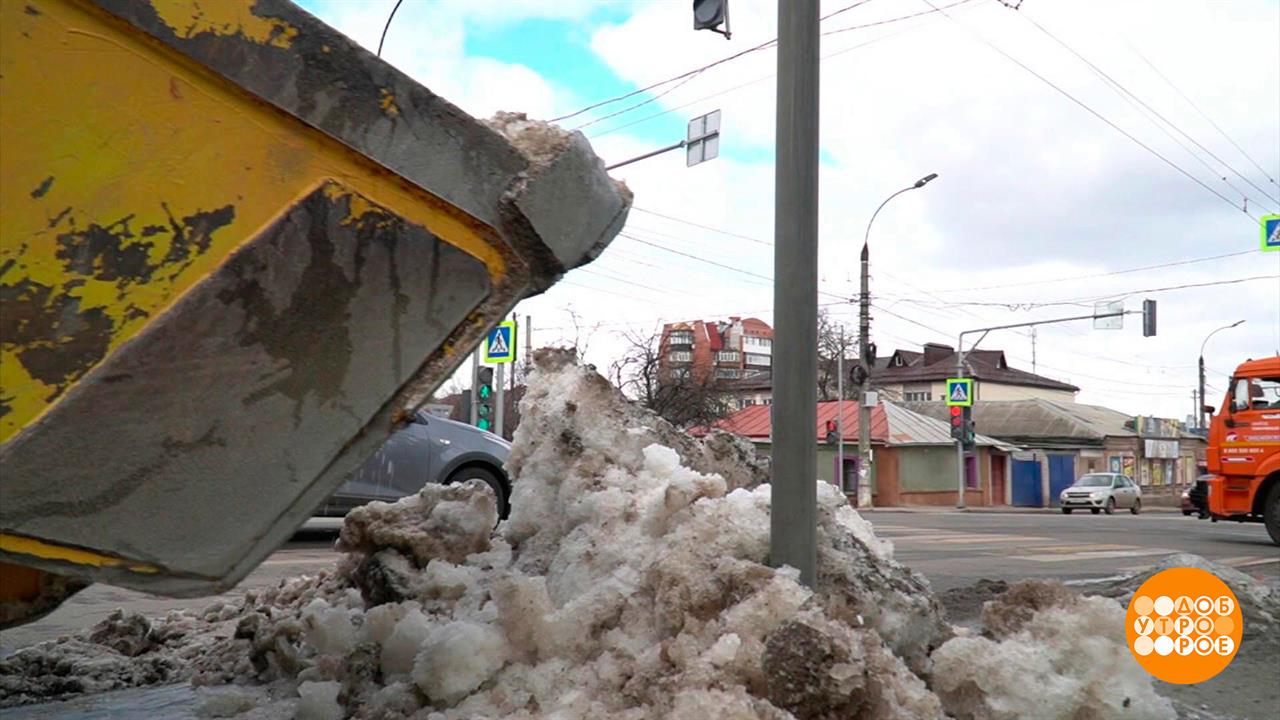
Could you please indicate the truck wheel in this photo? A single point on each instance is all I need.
(1110, 507)
(1137, 507)
(1271, 513)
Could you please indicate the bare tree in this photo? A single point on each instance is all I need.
(835, 339)
(695, 398)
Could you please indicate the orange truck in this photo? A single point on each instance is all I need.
(1244, 448)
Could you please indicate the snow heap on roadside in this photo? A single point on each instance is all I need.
(630, 582)
(1046, 653)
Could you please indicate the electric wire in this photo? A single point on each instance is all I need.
(1124, 91)
(698, 70)
(1204, 115)
(1086, 107)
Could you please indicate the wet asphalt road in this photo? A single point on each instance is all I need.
(954, 549)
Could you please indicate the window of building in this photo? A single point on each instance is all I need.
(918, 396)
(970, 472)
(754, 359)
(748, 402)
(680, 337)
(680, 373)
(757, 342)
(680, 356)
(727, 356)
(726, 372)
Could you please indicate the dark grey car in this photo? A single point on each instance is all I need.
(429, 449)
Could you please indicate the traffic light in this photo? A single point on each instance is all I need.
(710, 15)
(1148, 318)
(484, 397)
(962, 426)
(833, 432)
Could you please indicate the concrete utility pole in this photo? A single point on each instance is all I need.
(864, 350)
(1204, 421)
(840, 413)
(475, 374)
(499, 399)
(794, 514)
(864, 411)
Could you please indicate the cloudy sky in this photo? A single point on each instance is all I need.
(1086, 150)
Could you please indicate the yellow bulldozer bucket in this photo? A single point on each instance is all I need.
(235, 249)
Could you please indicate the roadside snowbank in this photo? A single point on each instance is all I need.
(631, 582)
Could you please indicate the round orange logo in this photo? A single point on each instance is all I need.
(1184, 625)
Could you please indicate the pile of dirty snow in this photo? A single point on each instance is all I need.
(631, 581)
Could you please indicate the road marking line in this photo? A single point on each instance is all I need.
(1096, 555)
(1071, 549)
(1262, 561)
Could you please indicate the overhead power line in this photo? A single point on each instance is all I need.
(1085, 301)
(762, 78)
(1087, 108)
(1124, 91)
(1025, 283)
(688, 73)
(1090, 276)
(1202, 114)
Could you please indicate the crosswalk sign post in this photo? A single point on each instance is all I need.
(960, 392)
(1271, 233)
(500, 344)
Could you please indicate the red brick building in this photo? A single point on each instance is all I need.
(715, 348)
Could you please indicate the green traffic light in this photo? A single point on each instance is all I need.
(482, 423)
(485, 392)
(483, 411)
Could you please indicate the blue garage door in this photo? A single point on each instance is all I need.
(1026, 483)
(1062, 473)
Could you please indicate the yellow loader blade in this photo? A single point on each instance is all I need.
(235, 249)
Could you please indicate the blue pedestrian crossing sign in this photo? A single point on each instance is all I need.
(959, 392)
(1270, 233)
(500, 344)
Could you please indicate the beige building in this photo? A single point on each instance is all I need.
(910, 376)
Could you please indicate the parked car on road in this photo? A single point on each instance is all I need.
(1102, 492)
(428, 449)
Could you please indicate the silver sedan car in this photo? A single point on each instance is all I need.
(1102, 492)
(428, 449)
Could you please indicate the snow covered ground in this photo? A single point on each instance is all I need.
(631, 581)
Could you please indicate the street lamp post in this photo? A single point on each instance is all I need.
(1203, 402)
(864, 339)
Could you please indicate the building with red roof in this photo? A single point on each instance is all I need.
(913, 455)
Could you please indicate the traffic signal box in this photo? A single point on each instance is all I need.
(962, 427)
(833, 432)
(484, 398)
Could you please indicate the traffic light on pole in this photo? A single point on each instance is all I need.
(957, 423)
(967, 434)
(484, 397)
(833, 432)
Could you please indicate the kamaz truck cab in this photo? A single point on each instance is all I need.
(1244, 448)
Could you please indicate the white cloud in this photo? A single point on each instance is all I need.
(1031, 186)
